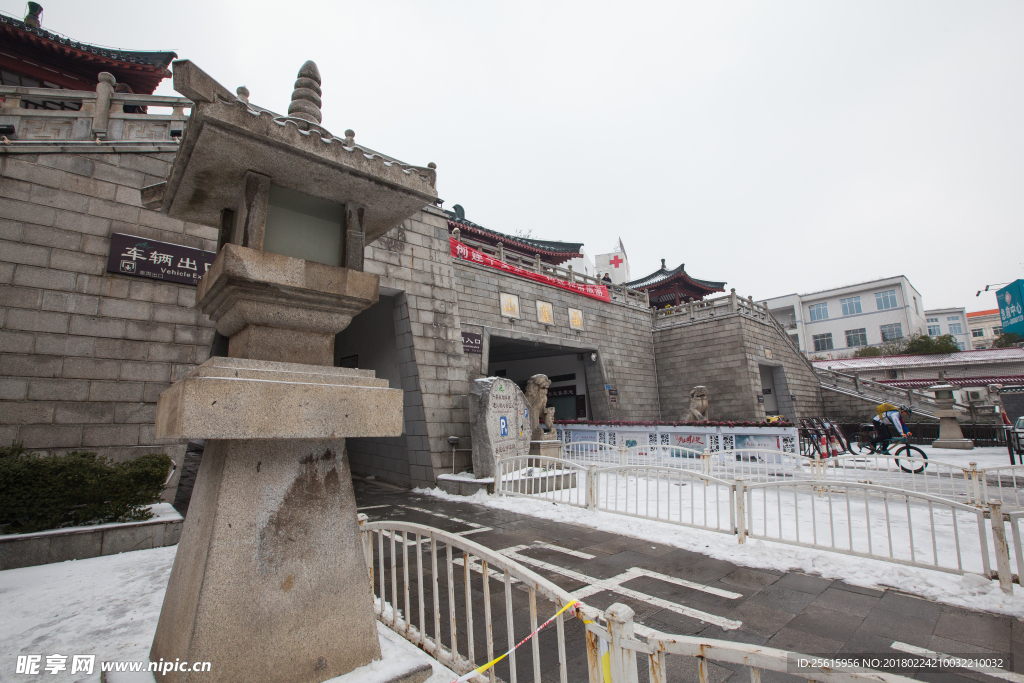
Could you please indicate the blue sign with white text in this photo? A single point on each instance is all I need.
(1011, 307)
(503, 423)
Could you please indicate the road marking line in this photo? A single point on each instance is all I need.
(613, 585)
(932, 654)
(638, 573)
(372, 507)
(567, 551)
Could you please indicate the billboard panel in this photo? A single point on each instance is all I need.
(1011, 307)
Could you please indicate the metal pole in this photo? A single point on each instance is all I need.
(1002, 552)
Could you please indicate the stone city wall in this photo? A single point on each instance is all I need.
(84, 354)
(723, 354)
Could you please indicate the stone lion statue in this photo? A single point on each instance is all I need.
(537, 397)
(549, 419)
(698, 411)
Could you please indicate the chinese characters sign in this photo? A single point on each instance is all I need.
(472, 343)
(545, 313)
(466, 253)
(131, 255)
(1011, 313)
(509, 305)
(575, 318)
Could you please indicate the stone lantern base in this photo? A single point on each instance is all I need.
(271, 540)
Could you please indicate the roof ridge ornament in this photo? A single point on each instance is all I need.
(306, 101)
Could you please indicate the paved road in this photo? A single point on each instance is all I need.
(681, 592)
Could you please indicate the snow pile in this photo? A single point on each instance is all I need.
(970, 591)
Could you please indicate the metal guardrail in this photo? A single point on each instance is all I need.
(883, 507)
(418, 575)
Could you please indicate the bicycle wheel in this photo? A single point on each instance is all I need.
(903, 457)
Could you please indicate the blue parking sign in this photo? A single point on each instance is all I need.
(503, 423)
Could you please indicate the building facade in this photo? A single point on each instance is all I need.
(89, 338)
(952, 321)
(837, 322)
(984, 327)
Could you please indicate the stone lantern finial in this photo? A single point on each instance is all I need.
(243, 93)
(306, 102)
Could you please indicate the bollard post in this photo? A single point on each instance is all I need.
(999, 540)
(623, 660)
(623, 451)
(973, 485)
(741, 510)
(365, 536)
(592, 487)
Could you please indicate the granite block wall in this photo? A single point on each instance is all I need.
(724, 354)
(84, 354)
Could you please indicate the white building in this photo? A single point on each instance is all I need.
(952, 321)
(841, 320)
(984, 327)
(616, 264)
(583, 264)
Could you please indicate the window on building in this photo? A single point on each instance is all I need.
(996, 331)
(819, 312)
(933, 320)
(956, 328)
(961, 346)
(885, 300)
(934, 330)
(851, 306)
(890, 332)
(977, 333)
(858, 337)
(823, 342)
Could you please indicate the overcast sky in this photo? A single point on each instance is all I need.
(779, 146)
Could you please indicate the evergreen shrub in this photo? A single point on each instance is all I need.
(39, 492)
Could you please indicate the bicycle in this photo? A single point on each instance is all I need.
(904, 454)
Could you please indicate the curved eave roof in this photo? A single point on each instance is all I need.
(663, 276)
(147, 69)
(560, 250)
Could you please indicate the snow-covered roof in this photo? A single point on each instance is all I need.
(973, 357)
(955, 381)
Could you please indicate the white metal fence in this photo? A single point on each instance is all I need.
(465, 604)
(870, 521)
(904, 510)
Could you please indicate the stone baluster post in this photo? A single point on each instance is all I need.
(501, 252)
(732, 300)
(538, 266)
(101, 115)
(572, 277)
(457, 234)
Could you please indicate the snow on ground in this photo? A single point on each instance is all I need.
(104, 606)
(987, 456)
(970, 591)
(109, 606)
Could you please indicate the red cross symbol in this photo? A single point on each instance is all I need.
(615, 261)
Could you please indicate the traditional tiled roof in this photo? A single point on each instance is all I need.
(143, 71)
(994, 311)
(955, 381)
(663, 275)
(562, 251)
(973, 357)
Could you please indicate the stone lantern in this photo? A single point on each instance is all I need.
(269, 581)
(950, 435)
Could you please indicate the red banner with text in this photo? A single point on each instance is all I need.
(465, 253)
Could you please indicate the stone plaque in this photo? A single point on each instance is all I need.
(499, 418)
(141, 257)
(575, 318)
(509, 305)
(545, 313)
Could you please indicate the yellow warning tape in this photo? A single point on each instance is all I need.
(488, 665)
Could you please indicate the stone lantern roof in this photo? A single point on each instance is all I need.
(227, 138)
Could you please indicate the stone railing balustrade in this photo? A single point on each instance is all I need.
(618, 293)
(101, 116)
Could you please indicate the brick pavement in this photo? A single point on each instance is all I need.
(791, 611)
